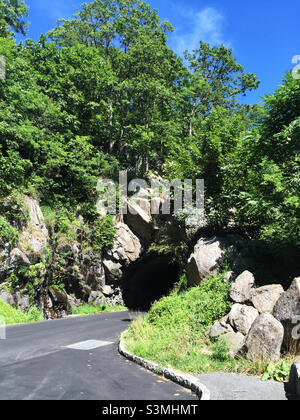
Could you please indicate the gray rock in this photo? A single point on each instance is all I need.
(107, 291)
(265, 339)
(22, 301)
(235, 343)
(96, 298)
(113, 270)
(287, 311)
(18, 259)
(240, 291)
(139, 222)
(58, 296)
(217, 330)
(34, 237)
(241, 317)
(265, 298)
(127, 247)
(207, 255)
(7, 297)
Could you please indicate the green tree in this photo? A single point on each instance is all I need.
(13, 14)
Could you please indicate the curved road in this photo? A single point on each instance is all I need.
(37, 363)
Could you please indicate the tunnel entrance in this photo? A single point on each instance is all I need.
(147, 281)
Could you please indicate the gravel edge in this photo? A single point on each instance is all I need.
(185, 380)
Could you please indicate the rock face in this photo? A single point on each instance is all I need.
(34, 237)
(265, 298)
(207, 255)
(287, 311)
(139, 222)
(265, 338)
(241, 289)
(241, 317)
(127, 247)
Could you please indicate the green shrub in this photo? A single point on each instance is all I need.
(279, 372)
(8, 233)
(15, 316)
(104, 232)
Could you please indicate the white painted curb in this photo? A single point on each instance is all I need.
(188, 381)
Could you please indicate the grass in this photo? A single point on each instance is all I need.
(173, 333)
(15, 316)
(90, 309)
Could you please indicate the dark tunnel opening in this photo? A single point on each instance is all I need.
(147, 281)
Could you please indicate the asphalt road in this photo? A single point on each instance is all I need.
(36, 364)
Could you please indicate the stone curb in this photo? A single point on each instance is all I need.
(294, 382)
(185, 380)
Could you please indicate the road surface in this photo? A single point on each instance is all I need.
(37, 364)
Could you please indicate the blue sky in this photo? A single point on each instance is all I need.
(264, 34)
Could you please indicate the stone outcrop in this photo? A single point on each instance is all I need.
(287, 311)
(263, 334)
(209, 253)
(241, 317)
(264, 298)
(241, 289)
(139, 222)
(34, 237)
(265, 338)
(127, 247)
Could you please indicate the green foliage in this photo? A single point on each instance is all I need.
(107, 94)
(103, 233)
(279, 372)
(12, 16)
(90, 309)
(13, 208)
(15, 316)
(172, 333)
(8, 233)
(197, 307)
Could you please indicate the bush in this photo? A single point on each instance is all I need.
(104, 232)
(8, 233)
(15, 316)
(173, 331)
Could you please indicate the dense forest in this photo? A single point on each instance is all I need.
(103, 92)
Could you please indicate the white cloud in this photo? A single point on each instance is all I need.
(206, 25)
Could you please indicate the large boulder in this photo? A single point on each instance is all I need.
(140, 222)
(265, 339)
(287, 311)
(264, 298)
(241, 317)
(241, 289)
(113, 270)
(127, 247)
(207, 256)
